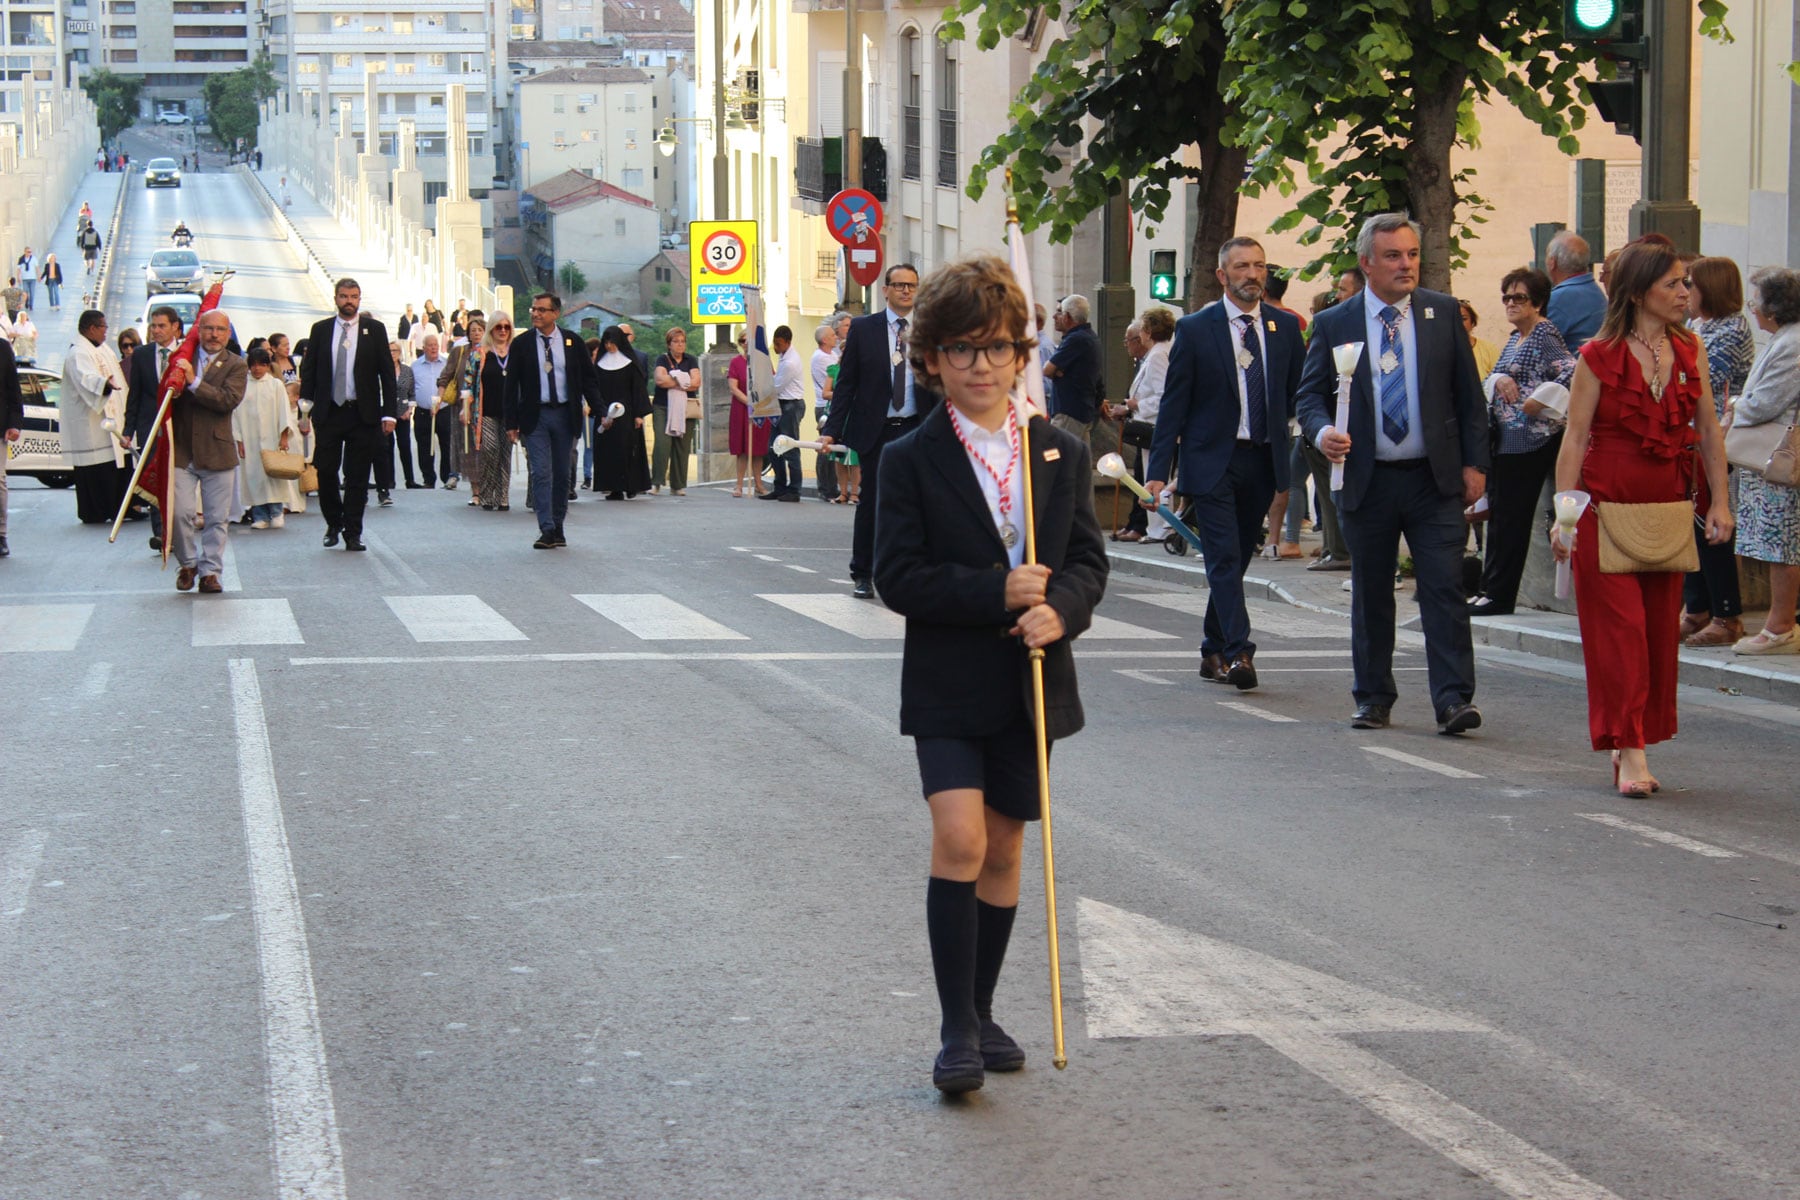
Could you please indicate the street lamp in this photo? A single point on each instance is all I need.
(667, 139)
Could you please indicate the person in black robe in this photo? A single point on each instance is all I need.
(621, 468)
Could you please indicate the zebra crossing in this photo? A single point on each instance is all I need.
(761, 617)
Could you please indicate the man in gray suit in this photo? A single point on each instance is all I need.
(1415, 455)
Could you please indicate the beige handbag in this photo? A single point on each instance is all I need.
(1754, 446)
(282, 464)
(693, 407)
(1647, 537)
(1784, 464)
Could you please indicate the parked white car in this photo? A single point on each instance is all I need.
(173, 116)
(38, 452)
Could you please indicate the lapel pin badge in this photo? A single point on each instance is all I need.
(1052, 455)
(1429, 314)
(1271, 327)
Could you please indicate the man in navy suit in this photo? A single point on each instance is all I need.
(348, 374)
(1415, 455)
(545, 389)
(1233, 370)
(876, 402)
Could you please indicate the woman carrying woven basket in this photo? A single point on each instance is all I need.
(1638, 397)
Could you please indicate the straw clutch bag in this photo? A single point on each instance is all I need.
(1647, 537)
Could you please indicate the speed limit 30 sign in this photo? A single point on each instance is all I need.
(722, 262)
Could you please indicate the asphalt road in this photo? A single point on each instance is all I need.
(624, 897)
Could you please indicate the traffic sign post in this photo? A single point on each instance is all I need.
(721, 263)
(854, 218)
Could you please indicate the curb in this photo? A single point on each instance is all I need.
(1731, 675)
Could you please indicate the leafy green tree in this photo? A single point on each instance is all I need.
(232, 101)
(1114, 106)
(115, 99)
(1357, 107)
(572, 279)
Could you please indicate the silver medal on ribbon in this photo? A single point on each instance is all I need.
(1390, 362)
(1245, 358)
(1009, 536)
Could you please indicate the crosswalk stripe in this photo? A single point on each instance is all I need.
(1268, 621)
(859, 618)
(1111, 630)
(452, 619)
(244, 623)
(26, 628)
(654, 617)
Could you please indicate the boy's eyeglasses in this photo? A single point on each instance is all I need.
(961, 355)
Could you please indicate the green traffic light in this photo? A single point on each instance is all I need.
(1594, 15)
(1162, 287)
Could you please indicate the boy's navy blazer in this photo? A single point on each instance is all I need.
(940, 563)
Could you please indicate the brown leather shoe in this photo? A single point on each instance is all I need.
(1212, 666)
(1691, 624)
(210, 585)
(184, 579)
(1722, 631)
(1241, 674)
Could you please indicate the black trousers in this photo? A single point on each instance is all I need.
(448, 422)
(402, 437)
(824, 465)
(1229, 521)
(421, 435)
(862, 540)
(345, 445)
(1515, 483)
(1404, 501)
(1714, 587)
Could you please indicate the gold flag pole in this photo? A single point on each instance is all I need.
(143, 458)
(1059, 1056)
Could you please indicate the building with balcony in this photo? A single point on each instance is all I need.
(330, 47)
(31, 46)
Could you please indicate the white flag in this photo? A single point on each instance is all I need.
(1028, 389)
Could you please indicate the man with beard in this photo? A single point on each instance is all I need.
(348, 374)
(1234, 369)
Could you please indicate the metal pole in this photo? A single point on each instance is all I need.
(853, 134)
(1666, 207)
(721, 162)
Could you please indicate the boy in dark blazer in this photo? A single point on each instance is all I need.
(949, 557)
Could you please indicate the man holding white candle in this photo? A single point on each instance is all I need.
(1233, 370)
(1415, 454)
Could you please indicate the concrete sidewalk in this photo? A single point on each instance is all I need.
(56, 327)
(1546, 634)
(338, 248)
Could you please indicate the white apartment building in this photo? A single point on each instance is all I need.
(599, 121)
(31, 45)
(173, 45)
(417, 48)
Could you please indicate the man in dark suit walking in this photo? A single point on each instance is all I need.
(876, 401)
(143, 383)
(348, 374)
(545, 390)
(1415, 455)
(1233, 370)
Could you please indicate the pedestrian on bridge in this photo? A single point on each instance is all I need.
(51, 276)
(12, 422)
(89, 241)
(28, 271)
(348, 375)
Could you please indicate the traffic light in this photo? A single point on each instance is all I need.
(1593, 20)
(1162, 275)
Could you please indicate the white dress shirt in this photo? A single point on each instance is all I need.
(1413, 444)
(996, 448)
(1257, 345)
(790, 376)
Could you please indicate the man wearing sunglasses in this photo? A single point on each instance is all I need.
(876, 402)
(545, 390)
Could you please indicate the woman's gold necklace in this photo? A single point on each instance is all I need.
(1655, 379)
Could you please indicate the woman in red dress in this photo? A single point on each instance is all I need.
(1639, 396)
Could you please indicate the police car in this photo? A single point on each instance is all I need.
(38, 452)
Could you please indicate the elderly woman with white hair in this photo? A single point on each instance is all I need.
(1768, 512)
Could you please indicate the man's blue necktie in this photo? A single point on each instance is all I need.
(1256, 402)
(1393, 383)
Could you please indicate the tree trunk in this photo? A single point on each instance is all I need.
(1428, 174)
(1221, 177)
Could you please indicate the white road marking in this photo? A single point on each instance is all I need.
(228, 572)
(388, 560)
(1142, 978)
(17, 871)
(656, 618)
(858, 618)
(1144, 676)
(1413, 760)
(1273, 622)
(309, 1160)
(244, 623)
(801, 569)
(1252, 710)
(1107, 629)
(766, 557)
(1705, 849)
(94, 683)
(452, 619)
(37, 628)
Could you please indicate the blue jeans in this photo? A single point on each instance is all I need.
(264, 512)
(549, 449)
(787, 466)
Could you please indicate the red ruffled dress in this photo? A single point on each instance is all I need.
(1639, 452)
